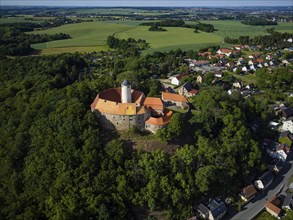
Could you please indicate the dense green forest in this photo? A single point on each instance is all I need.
(57, 161)
(14, 40)
(274, 39)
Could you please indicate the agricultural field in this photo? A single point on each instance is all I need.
(234, 29)
(84, 36)
(94, 34)
(19, 19)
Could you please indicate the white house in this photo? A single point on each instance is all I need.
(246, 68)
(176, 80)
(218, 74)
(237, 84)
(288, 126)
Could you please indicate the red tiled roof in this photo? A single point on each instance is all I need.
(273, 208)
(182, 75)
(109, 101)
(224, 50)
(160, 120)
(173, 97)
(260, 60)
(193, 91)
(154, 103)
(249, 191)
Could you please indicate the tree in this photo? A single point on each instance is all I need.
(175, 127)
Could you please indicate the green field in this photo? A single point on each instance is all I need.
(94, 34)
(234, 29)
(173, 38)
(19, 19)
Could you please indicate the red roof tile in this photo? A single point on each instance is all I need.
(154, 103)
(173, 97)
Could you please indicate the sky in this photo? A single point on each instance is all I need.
(154, 3)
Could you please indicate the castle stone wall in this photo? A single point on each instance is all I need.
(121, 122)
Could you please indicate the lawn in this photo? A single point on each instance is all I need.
(246, 78)
(267, 216)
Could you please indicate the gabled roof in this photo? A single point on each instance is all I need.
(202, 209)
(187, 86)
(288, 200)
(273, 208)
(173, 97)
(179, 77)
(273, 204)
(154, 103)
(248, 191)
(193, 91)
(217, 208)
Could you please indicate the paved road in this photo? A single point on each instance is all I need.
(279, 184)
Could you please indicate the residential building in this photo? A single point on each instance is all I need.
(273, 206)
(174, 99)
(248, 193)
(199, 79)
(176, 80)
(288, 125)
(214, 210)
(288, 201)
(187, 90)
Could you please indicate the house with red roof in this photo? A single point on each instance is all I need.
(187, 90)
(174, 99)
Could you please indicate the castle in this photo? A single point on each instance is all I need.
(123, 108)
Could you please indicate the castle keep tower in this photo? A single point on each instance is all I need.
(126, 92)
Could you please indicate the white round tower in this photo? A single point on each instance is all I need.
(125, 92)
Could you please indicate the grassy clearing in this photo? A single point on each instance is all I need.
(247, 78)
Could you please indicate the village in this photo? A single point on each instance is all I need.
(232, 60)
(222, 63)
(234, 63)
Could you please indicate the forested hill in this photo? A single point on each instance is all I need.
(56, 164)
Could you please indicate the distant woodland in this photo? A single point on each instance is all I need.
(179, 23)
(14, 40)
(273, 39)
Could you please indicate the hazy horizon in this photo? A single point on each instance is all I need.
(143, 3)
